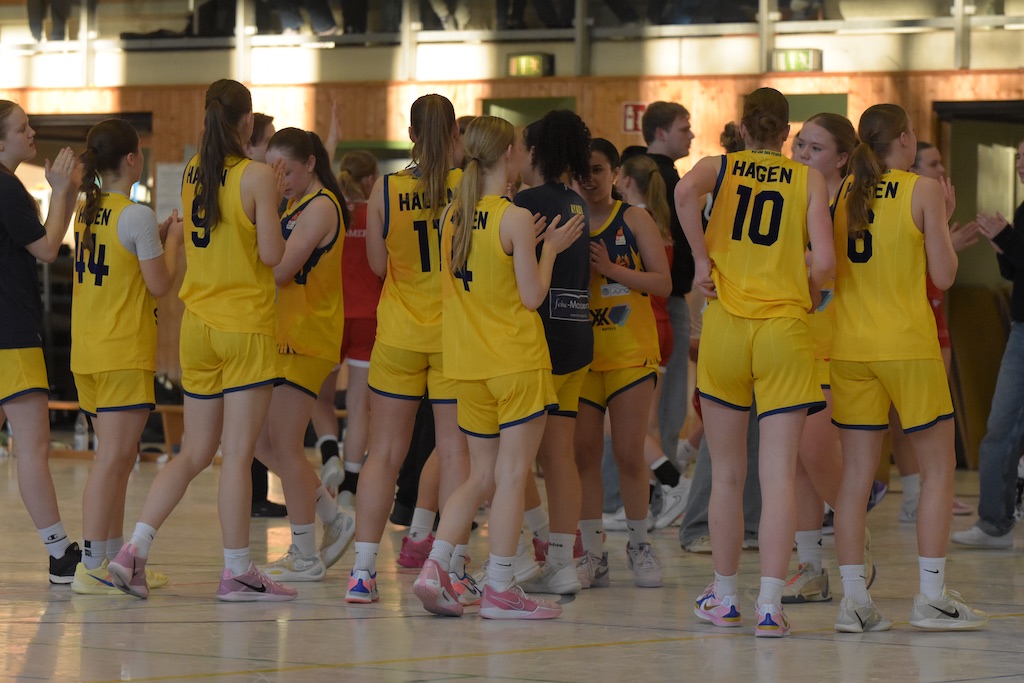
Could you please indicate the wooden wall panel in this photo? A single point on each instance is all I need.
(379, 111)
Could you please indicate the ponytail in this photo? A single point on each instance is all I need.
(227, 102)
(355, 166)
(107, 143)
(432, 119)
(91, 189)
(644, 172)
(879, 126)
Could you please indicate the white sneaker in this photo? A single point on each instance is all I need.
(295, 567)
(556, 580)
(674, 502)
(976, 538)
(854, 619)
(645, 565)
(592, 570)
(946, 613)
(337, 537)
(615, 521)
(702, 545)
(332, 474)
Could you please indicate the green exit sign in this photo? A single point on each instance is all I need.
(796, 59)
(531, 64)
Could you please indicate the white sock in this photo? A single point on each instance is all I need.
(808, 548)
(441, 552)
(536, 520)
(771, 591)
(458, 563)
(366, 557)
(686, 453)
(326, 506)
(592, 535)
(236, 560)
(304, 538)
(911, 490)
(560, 549)
(933, 576)
(422, 523)
(637, 531)
(353, 467)
(501, 573)
(854, 586)
(725, 585)
(114, 546)
(93, 553)
(142, 539)
(55, 539)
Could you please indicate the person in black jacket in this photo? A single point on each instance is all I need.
(1001, 448)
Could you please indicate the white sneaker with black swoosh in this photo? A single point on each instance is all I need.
(854, 619)
(948, 612)
(515, 604)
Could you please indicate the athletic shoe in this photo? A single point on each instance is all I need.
(434, 589)
(854, 619)
(878, 491)
(720, 612)
(592, 571)
(976, 538)
(540, 549)
(362, 587)
(961, 508)
(93, 581)
(346, 500)
(674, 502)
(771, 622)
(466, 588)
(415, 553)
(828, 523)
(807, 585)
(702, 546)
(555, 580)
(614, 521)
(337, 538)
(750, 543)
(128, 572)
(268, 509)
(526, 566)
(908, 510)
(515, 604)
(948, 612)
(252, 586)
(296, 567)
(870, 571)
(155, 579)
(645, 565)
(332, 474)
(62, 569)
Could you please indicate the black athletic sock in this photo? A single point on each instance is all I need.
(328, 450)
(350, 483)
(667, 474)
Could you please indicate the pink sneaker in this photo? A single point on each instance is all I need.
(415, 553)
(961, 508)
(771, 622)
(252, 586)
(515, 604)
(466, 588)
(128, 572)
(719, 612)
(434, 589)
(362, 587)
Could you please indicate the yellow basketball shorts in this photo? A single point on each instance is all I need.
(214, 362)
(567, 392)
(400, 373)
(22, 371)
(772, 359)
(601, 386)
(115, 390)
(305, 373)
(863, 391)
(487, 406)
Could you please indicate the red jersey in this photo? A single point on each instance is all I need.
(360, 285)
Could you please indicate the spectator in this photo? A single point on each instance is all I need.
(60, 10)
(320, 17)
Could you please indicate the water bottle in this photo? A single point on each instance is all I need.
(81, 440)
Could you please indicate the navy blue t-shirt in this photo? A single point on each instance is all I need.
(21, 308)
(566, 309)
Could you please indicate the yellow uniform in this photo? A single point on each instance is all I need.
(626, 349)
(492, 344)
(755, 338)
(113, 317)
(227, 331)
(885, 348)
(406, 360)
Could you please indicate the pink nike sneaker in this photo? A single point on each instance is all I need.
(434, 589)
(252, 586)
(415, 553)
(128, 572)
(515, 604)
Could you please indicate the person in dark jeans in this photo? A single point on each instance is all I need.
(60, 10)
(320, 16)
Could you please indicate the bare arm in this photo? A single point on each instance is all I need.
(655, 277)
(376, 249)
(691, 187)
(315, 226)
(65, 177)
(533, 276)
(819, 230)
(929, 210)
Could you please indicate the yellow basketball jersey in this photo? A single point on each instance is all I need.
(310, 316)
(409, 311)
(757, 236)
(487, 331)
(625, 332)
(113, 315)
(882, 310)
(226, 285)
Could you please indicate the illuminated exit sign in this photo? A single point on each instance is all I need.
(531, 64)
(796, 59)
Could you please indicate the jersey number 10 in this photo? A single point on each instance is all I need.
(761, 199)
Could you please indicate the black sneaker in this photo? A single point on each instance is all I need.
(62, 569)
(269, 509)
